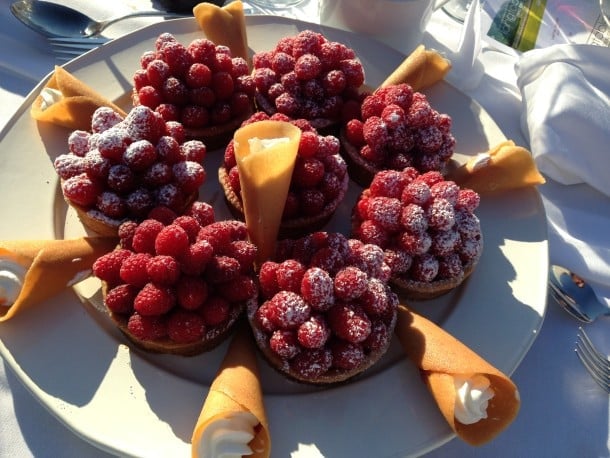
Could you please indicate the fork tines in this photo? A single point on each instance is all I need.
(596, 363)
(67, 48)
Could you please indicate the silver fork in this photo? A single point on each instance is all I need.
(596, 363)
(67, 48)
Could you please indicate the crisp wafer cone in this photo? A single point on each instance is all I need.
(224, 26)
(504, 167)
(77, 106)
(52, 266)
(237, 388)
(440, 357)
(421, 69)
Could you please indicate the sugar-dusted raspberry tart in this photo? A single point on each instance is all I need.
(123, 168)
(326, 312)
(178, 286)
(426, 226)
(397, 128)
(310, 77)
(318, 184)
(200, 84)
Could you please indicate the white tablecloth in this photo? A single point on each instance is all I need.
(564, 413)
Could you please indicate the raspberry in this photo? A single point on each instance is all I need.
(416, 192)
(120, 299)
(81, 190)
(378, 338)
(289, 275)
(154, 300)
(350, 283)
(157, 71)
(288, 310)
(314, 332)
(267, 276)
(198, 75)
(191, 292)
(121, 178)
(202, 212)
(346, 355)
(450, 266)
(195, 258)
(170, 195)
(387, 183)
(222, 269)
(424, 268)
(312, 363)
(163, 270)
(176, 56)
(244, 252)
(78, 142)
(145, 235)
(189, 175)
(317, 288)
(240, 289)
(149, 96)
(193, 150)
(104, 118)
(307, 172)
(69, 165)
(413, 219)
(125, 232)
(385, 212)
(140, 155)
(444, 242)
(147, 327)
(139, 202)
(107, 267)
(215, 311)
(349, 322)
(133, 270)
(468, 200)
(164, 215)
(172, 240)
(441, 215)
(185, 327)
(262, 317)
(284, 343)
(415, 244)
(312, 202)
(374, 300)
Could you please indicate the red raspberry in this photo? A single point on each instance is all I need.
(157, 71)
(108, 266)
(288, 310)
(267, 276)
(203, 212)
(375, 131)
(413, 219)
(450, 266)
(370, 232)
(164, 215)
(120, 299)
(190, 225)
(393, 116)
(289, 275)
(81, 190)
(417, 193)
(215, 311)
(387, 183)
(374, 300)
(378, 338)
(145, 235)
(444, 242)
(163, 270)
(262, 317)
(154, 300)
(385, 212)
(307, 172)
(78, 142)
(347, 355)
(195, 258)
(133, 270)
(112, 205)
(284, 343)
(172, 240)
(349, 322)
(312, 363)
(191, 292)
(441, 215)
(424, 268)
(185, 327)
(201, 50)
(468, 200)
(350, 283)
(149, 96)
(353, 71)
(140, 155)
(198, 75)
(126, 232)
(189, 175)
(177, 57)
(121, 178)
(69, 165)
(317, 289)
(193, 150)
(308, 145)
(222, 84)
(314, 332)
(104, 118)
(147, 327)
(244, 251)
(415, 244)
(312, 202)
(139, 202)
(222, 269)
(240, 289)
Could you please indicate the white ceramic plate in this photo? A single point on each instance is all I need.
(129, 403)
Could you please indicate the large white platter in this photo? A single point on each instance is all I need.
(134, 404)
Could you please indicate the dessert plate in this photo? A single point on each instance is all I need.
(129, 403)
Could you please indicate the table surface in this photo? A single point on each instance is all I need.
(563, 413)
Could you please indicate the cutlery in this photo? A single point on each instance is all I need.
(66, 49)
(575, 296)
(595, 362)
(55, 20)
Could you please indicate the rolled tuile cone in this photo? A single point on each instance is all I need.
(421, 69)
(224, 26)
(236, 388)
(504, 167)
(74, 107)
(50, 266)
(441, 358)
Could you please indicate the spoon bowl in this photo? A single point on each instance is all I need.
(575, 296)
(55, 20)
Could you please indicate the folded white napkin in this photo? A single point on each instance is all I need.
(566, 116)
(566, 95)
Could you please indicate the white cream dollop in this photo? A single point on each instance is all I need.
(49, 97)
(228, 437)
(12, 275)
(259, 144)
(473, 395)
(481, 161)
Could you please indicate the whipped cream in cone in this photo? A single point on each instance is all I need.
(68, 102)
(421, 69)
(464, 385)
(266, 152)
(504, 167)
(233, 420)
(32, 271)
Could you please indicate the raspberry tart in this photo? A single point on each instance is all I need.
(426, 226)
(201, 85)
(123, 168)
(307, 76)
(326, 312)
(396, 128)
(318, 184)
(178, 287)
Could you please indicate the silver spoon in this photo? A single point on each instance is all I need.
(55, 20)
(575, 296)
